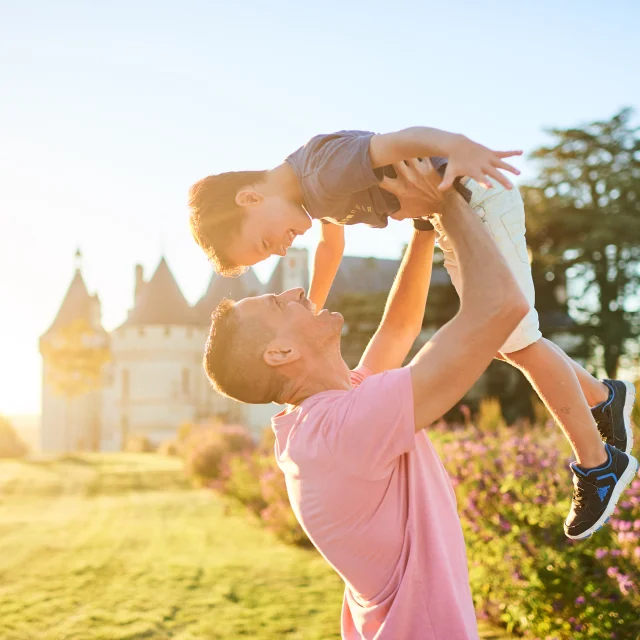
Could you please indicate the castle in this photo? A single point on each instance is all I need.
(154, 381)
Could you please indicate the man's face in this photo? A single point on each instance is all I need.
(269, 228)
(291, 317)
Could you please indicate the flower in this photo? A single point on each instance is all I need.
(579, 600)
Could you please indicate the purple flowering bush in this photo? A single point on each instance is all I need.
(514, 489)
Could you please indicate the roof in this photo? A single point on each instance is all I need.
(76, 304)
(372, 275)
(161, 302)
(220, 287)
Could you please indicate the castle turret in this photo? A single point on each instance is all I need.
(70, 415)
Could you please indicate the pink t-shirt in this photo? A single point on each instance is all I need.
(375, 500)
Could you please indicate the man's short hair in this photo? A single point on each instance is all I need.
(215, 217)
(234, 361)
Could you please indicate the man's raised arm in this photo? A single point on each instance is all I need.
(402, 319)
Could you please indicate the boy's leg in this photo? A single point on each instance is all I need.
(558, 387)
(593, 502)
(595, 391)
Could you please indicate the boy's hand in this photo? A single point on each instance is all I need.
(468, 158)
(417, 187)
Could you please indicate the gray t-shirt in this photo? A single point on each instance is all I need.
(338, 182)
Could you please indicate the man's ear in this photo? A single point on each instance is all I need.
(247, 197)
(279, 353)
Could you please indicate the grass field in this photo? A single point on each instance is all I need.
(116, 547)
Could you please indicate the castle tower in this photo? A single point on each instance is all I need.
(71, 409)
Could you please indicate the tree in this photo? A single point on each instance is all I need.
(583, 220)
(75, 356)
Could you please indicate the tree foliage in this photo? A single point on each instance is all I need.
(583, 221)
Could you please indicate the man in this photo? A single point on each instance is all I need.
(363, 478)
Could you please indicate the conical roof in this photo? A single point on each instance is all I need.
(161, 302)
(220, 287)
(76, 304)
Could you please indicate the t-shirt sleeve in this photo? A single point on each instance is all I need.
(336, 164)
(372, 425)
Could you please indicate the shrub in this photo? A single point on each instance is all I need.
(139, 444)
(169, 448)
(205, 449)
(11, 446)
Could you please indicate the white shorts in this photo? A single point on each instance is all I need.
(503, 213)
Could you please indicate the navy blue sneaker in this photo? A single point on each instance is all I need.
(614, 415)
(597, 491)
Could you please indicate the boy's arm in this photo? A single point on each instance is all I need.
(465, 157)
(326, 263)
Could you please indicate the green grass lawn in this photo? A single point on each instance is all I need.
(116, 547)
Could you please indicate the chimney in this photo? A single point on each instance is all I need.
(139, 283)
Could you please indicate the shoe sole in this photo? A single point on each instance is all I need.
(621, 485)
(629, 401)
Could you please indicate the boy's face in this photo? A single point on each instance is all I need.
(270, 226)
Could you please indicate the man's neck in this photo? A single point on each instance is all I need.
(282, 181)
(331, 374)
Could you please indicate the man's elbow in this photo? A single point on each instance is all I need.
(512, 309)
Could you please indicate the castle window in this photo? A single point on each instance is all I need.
(140, 331)
(125, 384)
(167, 331)
(185, 382)
(292, 262)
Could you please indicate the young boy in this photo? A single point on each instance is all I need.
(242, 218)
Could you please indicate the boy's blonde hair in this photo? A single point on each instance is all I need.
(215, 217)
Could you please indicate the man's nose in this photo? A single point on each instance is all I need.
(293, 295)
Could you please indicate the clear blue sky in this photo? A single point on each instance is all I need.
(109, 111)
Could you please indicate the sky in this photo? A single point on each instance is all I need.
(110, 111)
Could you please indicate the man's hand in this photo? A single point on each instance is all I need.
(417, 187)
(468, 158)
